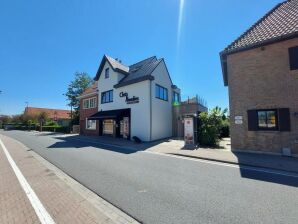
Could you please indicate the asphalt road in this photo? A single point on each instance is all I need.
(159, 189)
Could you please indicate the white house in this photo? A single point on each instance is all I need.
(135, 100)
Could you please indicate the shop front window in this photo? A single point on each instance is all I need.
(91, 124)
(108, 127)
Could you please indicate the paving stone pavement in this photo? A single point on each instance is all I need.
(66, 200)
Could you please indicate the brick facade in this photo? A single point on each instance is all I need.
(84, 113)
(261, 78)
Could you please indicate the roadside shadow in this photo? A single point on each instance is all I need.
(269, 168)
(101, 143)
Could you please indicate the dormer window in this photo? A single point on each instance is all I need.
(107, 73)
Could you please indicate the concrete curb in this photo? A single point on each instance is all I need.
(99, 203)
(234, 163)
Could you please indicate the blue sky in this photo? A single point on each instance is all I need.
(43, 43)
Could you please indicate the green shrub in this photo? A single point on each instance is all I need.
(225, 129)
(208, 130)
(55, 128)
(51, 123)
(212, 127)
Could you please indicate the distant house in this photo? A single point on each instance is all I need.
(89, 106)
(191, 106)
(261, 70)
(62, 117)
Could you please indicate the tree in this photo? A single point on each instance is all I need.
(42, 118)
(76, 87)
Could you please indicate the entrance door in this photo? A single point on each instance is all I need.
(108, 127)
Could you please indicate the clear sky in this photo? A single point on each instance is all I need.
(43, 43)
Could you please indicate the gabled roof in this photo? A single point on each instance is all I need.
(52, 113)
(134, 73)
(116, 66)
(280, 23)
(92, 90)
(140, 71)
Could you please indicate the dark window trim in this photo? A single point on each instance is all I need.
(276, 128)
(293, 57)
(107, 73)
(167, 91)
(109, 97)
(173, 100)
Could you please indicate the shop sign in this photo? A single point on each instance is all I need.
(188, 131)
(125, 127)
(128, 100)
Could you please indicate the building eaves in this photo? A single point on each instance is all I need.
(279, 24)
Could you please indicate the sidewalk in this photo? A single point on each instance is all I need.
(224, 154)
(64, 199)
(175, 147)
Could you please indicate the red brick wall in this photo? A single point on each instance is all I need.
(84, 113)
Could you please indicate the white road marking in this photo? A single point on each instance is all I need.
(244, 167)
(40, 211)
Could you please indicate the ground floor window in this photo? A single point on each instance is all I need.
(90, 124)
(108, 127)
(267, 119)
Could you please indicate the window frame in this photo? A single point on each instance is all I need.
(161, 92)
(174, 96)
(90, 128)
(107, 73)
(88, 104)
(275, 128)
(293, 57)
(94, 102)
(110, 96)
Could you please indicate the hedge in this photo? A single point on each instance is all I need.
(55, 129)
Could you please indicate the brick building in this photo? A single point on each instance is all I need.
(88, 107)
(62, 117)
(261, 70)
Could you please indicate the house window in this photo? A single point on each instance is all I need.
(293, 58)
(86, 103)
(107, 73)
(267, 119)
(107, 97)
(176, 98)
(161, 92)
(89, 103)
(90, 124)
(93, 102)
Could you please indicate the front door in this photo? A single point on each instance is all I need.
(108, 127)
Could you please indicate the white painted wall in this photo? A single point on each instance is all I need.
(140, 112)
(161, 110)
(161, 126)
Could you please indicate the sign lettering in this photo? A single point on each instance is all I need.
(128, 100)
